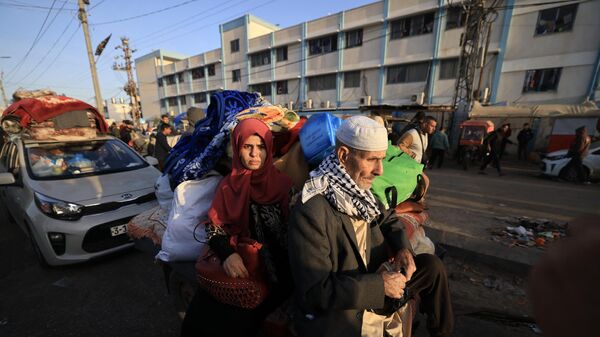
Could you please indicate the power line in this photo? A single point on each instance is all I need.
(145, 14)
(35, 41)
(96, 5)
(51, 47)
(24, 6)
(208, 25)
(183, 22)
(57, 55)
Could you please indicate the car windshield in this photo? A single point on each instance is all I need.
(473, 132)
(75, 159)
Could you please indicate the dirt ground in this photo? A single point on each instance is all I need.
(486, 302)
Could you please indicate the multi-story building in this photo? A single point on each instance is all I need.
(387, 52)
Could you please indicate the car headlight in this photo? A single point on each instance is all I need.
(58, 209)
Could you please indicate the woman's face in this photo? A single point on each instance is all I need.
(253, 153)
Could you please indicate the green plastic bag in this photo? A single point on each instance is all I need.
(401, 176)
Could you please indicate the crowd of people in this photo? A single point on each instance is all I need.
(330, 252)
(332, 246)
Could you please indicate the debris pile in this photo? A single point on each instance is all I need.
(528, 232)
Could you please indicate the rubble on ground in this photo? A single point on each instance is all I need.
(528, 232)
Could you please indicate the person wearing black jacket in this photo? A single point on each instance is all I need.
(524, 136)
(492, 146)
(162, 147)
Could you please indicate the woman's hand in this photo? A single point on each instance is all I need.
(234, 266)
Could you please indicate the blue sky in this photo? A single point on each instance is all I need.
(59, 59)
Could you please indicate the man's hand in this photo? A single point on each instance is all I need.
(393, 284)
(404, 260)
(234, 266)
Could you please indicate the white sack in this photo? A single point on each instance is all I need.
(164, 194)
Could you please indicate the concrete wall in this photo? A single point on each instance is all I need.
(147, 74)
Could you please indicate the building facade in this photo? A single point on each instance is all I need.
(387, 52)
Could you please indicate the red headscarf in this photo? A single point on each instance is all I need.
(231, 205)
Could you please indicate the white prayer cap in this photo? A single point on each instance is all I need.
(363, 133)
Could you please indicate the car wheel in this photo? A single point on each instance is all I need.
(36, 249)
(182, 293)
(569, 174)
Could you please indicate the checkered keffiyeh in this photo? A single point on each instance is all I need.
(332, 181)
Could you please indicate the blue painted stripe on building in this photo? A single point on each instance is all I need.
(223, 55)
(384, 43)
(338, 87)
(303, 52)
(177, 92)
(273, 59)
(437, 38)
(503, 42)
(247, 49)
(205, 77)
(594, 80)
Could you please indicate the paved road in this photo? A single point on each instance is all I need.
(124, 295)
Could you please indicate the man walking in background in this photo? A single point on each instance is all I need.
(162, 147)
(524, 136)
(439, 145)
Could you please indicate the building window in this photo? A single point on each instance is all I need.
(236, 75)
(413, 25)
(448, 69)
(263, 88)
(542, 80)
(200, 98)
(180, 77)
(172, 101)
(260, 59)
(556, 20)
(235, 45)
(182, 100)
(406, 73)
(210, 69)
(170, 79)
(160, 82)
(197, 73)
(456, 17)
(163, 103)
(282, 88)
(352, 79)
(354, 38)
(322, 45)
(281, 53)
(324, 82)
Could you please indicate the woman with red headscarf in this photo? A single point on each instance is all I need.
(253, 201)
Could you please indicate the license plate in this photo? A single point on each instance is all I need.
(118, 230)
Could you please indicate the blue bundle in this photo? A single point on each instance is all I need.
(194, 155)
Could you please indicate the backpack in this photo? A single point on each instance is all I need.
(401, 179)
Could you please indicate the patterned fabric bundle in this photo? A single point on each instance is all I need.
(332, 181)
(195, 155)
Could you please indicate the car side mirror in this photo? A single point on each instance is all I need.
(151, 160)
(7, 179)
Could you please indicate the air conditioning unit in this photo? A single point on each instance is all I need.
(308, 104)
(418, 98)
(325, 105)
(365, 100)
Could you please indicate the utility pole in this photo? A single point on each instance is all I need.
(130, 88)
(86, 33)
(2, 89)
(474, 42)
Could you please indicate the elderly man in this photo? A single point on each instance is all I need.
(340, 240)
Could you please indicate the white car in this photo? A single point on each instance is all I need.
(555, 164)
(75, 198)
